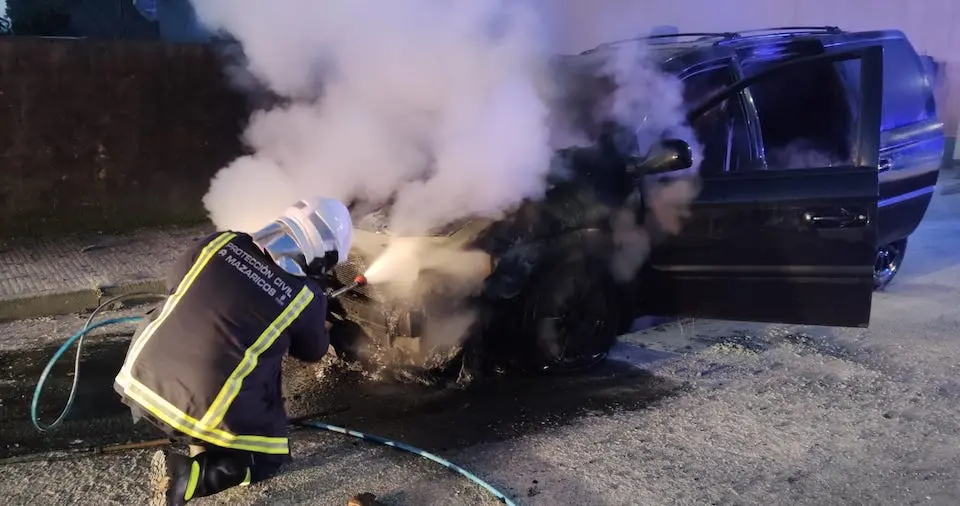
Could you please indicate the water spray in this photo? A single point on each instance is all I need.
(376, 271)
(381, 269)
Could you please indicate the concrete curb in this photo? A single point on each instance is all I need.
(73, 301)
(74, 274)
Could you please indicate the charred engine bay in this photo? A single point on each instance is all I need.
(571, 223)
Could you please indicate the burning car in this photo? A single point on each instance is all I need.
(821, 149)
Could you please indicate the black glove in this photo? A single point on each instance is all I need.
(347, 338)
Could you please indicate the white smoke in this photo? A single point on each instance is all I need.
(444, 109)
(645, 98)
(438, 105)
(441, 107)
(651, 104)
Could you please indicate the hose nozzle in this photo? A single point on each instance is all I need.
(358, 281)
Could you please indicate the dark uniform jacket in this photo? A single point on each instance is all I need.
(207, 363)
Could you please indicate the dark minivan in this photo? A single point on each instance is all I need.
(780, 119)
(821, 152)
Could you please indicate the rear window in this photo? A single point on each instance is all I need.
(907, 97)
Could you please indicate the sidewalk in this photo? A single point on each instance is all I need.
(949, 182)
(43, 277)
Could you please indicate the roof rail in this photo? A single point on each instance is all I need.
(782, 30)
(698, 37)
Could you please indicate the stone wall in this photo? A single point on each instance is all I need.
(110, 135)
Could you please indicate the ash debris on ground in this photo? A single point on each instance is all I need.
(800, 342)
(711, 358)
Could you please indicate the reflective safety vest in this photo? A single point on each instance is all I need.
(207, 363)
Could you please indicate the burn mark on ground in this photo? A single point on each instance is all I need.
(441, 419)
(435, 418)
(97, 417)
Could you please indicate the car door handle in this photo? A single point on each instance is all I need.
(842, 219)
(884, 165)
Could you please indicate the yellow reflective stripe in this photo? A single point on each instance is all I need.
(192, 482)
(246, 479)
(218, 409)
(205, 255)
(188, 425)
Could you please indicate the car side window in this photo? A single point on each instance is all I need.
(807, 115)
(906, 95)
(721, 130)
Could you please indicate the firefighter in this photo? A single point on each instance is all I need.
(205, 366)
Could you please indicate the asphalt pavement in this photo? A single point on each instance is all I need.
(691, 413)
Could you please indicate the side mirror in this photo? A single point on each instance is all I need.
(665, 156)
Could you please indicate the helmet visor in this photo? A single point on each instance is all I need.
(277, 241)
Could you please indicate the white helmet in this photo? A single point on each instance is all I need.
(310, 238)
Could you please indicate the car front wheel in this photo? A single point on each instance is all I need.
(570, 320)
(889, 259)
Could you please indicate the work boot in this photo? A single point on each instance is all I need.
(364, 499)
(169, 474)
(179, 478)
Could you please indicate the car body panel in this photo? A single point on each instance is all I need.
(910, 162)
(745, 257)
(753, 248)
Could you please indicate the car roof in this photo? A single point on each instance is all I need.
(671, 46)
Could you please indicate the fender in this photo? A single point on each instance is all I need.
(515, 268)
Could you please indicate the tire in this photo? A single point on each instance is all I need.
(570, 319)
(888, 262)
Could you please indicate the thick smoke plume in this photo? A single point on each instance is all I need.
(436, 106)
(441, 109)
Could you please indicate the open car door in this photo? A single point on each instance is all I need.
(771, 240)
